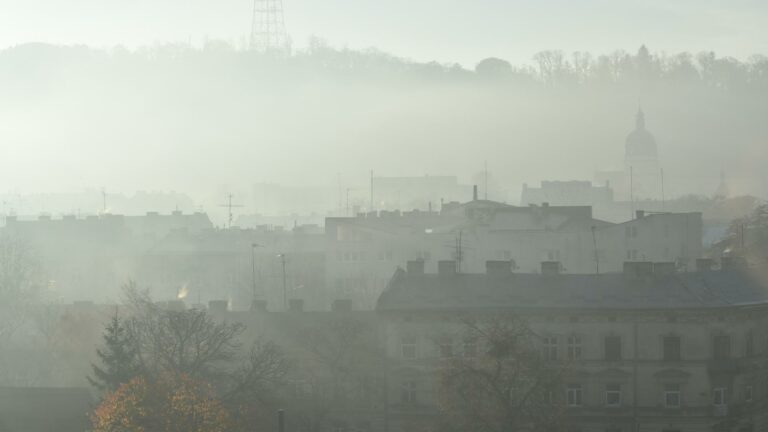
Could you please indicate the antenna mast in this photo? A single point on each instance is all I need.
(268, 33)
(229, 207)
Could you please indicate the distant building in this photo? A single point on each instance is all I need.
(364, 250)
(649, 349)
(395, 193)
(641, 175)
(567, 193)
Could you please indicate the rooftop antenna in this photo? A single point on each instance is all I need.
(268, 33)
(663, 196)
(230, 206)
(631, 195)
(597, 256)
(371, 190)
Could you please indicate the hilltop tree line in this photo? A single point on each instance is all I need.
(549, 68)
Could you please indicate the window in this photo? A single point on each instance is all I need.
(613, 348)
(721, 347)
(671, 348)
(408, 393)
(749, 344)
(718, 396)
(470, 348)
(574, 347)
(408, 347)
(748, 394)
(613, 395)
(550, 348)
(446, 348)
(573, 395)
(672, 397)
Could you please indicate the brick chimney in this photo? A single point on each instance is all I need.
(551, 268)
(415, 267)
(498, 268)
(446, 267)
(296, 305)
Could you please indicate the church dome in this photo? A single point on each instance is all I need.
(640, 143)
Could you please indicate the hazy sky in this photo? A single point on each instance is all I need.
(444, 30)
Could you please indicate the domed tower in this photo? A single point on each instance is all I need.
(641, 159)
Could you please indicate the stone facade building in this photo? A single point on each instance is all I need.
(648, 350)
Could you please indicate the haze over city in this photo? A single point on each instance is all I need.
(302, 216)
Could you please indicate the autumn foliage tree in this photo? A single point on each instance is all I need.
(177, 404)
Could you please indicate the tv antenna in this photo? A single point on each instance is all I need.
(229, 207)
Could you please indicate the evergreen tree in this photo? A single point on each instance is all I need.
(119, 358)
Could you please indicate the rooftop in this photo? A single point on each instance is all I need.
(705, 289)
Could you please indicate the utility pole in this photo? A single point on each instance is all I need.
(597, 256)
(285, 286)
(103, 201)
(348, 189)
(663, 196)
(230, 206)
(253, 268)
(631, 194)
(371, 209)
(486, 180)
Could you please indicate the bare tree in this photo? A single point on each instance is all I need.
(21, 284)
(506, 387)
(194, 344)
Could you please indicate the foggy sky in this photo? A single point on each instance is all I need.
(443, 30)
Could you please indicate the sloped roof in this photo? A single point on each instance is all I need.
(711, 289)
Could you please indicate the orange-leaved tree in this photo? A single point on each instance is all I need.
(180, 404)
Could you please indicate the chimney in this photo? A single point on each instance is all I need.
(733, 263)
(415, 267)
(342, 305)
(218, 306)
(259, 306)
(296, 305)
(639, 214)
(446, 267)
(704, 264)
(474, 193)
(498, 268)
(664, 268)
(638, 269)
(551, 268)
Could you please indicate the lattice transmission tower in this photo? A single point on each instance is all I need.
(268, 33)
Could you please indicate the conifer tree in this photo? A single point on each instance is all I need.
(119, 358)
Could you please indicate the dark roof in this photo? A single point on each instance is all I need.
(710, 289)
(44, 409)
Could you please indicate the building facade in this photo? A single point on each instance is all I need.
(648, 349)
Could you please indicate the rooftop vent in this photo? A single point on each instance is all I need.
(498, 268)
(415, 267)
(551, 268)
(446, 267)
